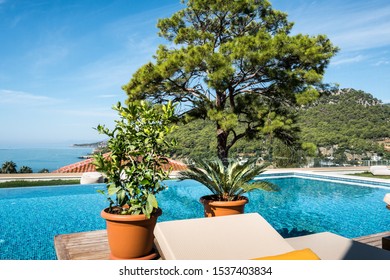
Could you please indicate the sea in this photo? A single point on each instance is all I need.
(44, 158)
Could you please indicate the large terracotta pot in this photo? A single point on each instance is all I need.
(213, 208)
(130, 236)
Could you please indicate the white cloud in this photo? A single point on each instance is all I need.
(109, 96)
(361, 38)
(351, 25)
(20, 97)
(382, 62)
(47, 55)
(88, 112)
(105, 77)
(347, 60)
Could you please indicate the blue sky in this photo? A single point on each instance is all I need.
(63, 63)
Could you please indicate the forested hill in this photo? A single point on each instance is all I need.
(348, 118)
(349, 95)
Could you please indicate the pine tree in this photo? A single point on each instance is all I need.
(234, 62)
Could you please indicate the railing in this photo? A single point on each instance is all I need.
(322, 163)
(375, 162)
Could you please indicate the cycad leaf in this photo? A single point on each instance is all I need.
(229, 181)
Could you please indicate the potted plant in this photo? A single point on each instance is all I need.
(134, 171)
(228, 183)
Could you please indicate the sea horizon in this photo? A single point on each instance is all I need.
(38, 158)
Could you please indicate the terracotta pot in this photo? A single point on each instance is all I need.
(214, 208)
(130, 236)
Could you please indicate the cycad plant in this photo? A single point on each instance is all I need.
(227, 182)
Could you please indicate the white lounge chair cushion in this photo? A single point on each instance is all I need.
(387, 198)
(242, 236)
(330, 246)
(249, 236)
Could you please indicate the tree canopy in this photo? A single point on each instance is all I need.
(8, 167)
(236, 64)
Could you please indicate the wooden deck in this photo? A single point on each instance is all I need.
(373, 239)
(93, 245)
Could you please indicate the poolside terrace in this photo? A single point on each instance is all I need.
(93, 245)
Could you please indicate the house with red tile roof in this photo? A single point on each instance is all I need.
(87, 166)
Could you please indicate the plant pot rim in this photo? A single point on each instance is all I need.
(210, 199)
(118, 217)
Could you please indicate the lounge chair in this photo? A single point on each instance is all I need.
(330, 246)
(379, 170)
(386, 199)
(249, 236)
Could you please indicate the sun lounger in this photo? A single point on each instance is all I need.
(386, 199)
(243, 236)
(379, 170)
(330, 246)
(248, 236)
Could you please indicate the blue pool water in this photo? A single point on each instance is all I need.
(31, 217)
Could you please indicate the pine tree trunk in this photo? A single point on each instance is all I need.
(223, 152)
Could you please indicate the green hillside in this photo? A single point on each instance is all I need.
(348, 120)
(351, 119)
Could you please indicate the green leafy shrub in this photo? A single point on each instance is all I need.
(137, 152)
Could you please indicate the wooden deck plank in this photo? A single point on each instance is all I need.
(93, 245)
(373, 239)
(60, 247)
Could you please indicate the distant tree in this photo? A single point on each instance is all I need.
(317, 162)
(340, 157)
(9, 167)
(291, 155)
(234, 62)
(45, 170)
(25, 169)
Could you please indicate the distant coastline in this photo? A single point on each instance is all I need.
(96, 147)
(91, 145)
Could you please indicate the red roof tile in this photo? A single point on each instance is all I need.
(87, 166)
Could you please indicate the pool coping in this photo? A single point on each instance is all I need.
(328, 176)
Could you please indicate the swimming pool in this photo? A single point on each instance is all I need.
(31, 217)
